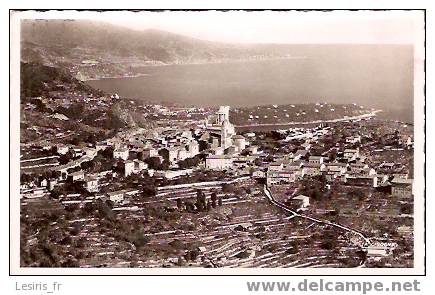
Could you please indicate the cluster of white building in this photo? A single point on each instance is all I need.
(296, 167)
(351, 169)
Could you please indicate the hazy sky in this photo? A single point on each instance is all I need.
(271, 26)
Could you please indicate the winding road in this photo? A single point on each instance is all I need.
(327, 222)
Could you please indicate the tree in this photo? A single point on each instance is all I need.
(189, 162)
(110, 204)
(119, 167)
(149, 190)
(55, 174)
(140, 240)
(199, 206)
(192, 255)
(164, 153)
(179, 204)
(292, 250)
(26, 178)
(141, 156)
(107, 152)
(203, 145)
(201, 200)
(189, 206)
(92, 139)
(294, 247)
(153, 163)
(165, 165)
(63, 159)
(242, 255)
(213, 199)
(198, 196)
(406, 209)
(76, 141)
(316, 194)
(329, 238)
(40, 106)
(104, 210)
(56, 193)
(87, 165)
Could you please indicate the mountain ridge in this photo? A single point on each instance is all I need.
(93, 50)
(117, 51)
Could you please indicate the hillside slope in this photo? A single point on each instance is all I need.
(38, 79)
(93, 49)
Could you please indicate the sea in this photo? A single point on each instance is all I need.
(376, 77)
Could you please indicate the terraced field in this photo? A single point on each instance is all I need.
(243, 232)
(246, 230)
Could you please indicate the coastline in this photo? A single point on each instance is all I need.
(365, 116)
(115, 77)
(229, 61)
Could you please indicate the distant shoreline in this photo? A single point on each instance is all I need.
(193, 63)
(115, 77)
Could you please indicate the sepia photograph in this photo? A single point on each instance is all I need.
(217, 142)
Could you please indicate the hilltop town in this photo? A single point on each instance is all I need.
(112, 182)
